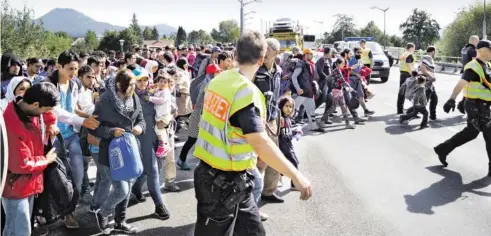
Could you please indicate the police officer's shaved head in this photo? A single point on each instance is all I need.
(251, 48)
(474, 39)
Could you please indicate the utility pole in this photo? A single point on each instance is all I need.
(242, 15)
(484, 34)
(385, 11)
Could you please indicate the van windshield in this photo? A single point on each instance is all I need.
(288, 43)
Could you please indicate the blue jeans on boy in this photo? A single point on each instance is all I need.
(258, 185)
(18, 212)
(99, 196)
(76, 159)
(118, 199)
(151, 176)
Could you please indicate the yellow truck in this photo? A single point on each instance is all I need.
(290, 34)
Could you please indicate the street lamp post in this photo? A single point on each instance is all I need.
(121, 42)
(484, 34)
(242, 5)
(385, 11)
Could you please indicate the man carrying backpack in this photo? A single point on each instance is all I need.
(213, 59)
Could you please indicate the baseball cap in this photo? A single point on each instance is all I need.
(307, 51)
(140, 73)
(216, 49)
(484, 44)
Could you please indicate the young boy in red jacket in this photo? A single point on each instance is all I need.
(26, 156)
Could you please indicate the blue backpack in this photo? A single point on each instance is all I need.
(125, 158)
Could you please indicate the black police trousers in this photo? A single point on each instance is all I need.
(214, 219)
(478, 115)
(400, 97)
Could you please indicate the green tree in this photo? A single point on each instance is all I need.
(130, 38)
(155, 33)
(135, 26)
(21, 35)
(193, 37)
(372, 30)
(468, 22)
(180, 36)
(396, 41)
(147, 34)
(228, 31)
(55, 43)
(344, 27)
(420, 28)
(90, 41)
(110, 41)
(204, 37)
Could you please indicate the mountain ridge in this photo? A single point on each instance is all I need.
(76, 23)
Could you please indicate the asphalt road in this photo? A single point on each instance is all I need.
(379, 179)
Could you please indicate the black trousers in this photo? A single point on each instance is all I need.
(400, 97)
(432, 97)
(414, 111)
(214, 219)
(478, 113)
(185, 149)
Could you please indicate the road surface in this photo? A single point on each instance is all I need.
(379, 179)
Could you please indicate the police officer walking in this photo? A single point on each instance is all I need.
(366, 57)
(406, 67)
(476, 85)
(231, 134)
(468, 53)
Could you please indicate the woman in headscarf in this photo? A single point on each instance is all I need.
(119, 111)
(147, 143)
(17, 87)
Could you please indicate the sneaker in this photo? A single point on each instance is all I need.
(40, 230)
(70, 222)
(369, 113)
(263, 216)
(125, 228)
(161, 212)
(171, 187)
(424, 126)
(183, 165)
(103, 223)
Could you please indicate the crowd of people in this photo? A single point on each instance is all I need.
(76, 105)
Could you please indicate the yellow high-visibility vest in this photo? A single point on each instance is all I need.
(220, 144)
(365, 56)
(404, 66)
(474, 89)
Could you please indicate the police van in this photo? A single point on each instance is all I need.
(381, 67)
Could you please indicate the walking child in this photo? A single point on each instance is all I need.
(419, 103)
(285, 137)
(339, 84)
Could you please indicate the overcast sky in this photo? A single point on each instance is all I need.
(205, 14)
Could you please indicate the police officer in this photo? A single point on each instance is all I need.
(366, 56)
(406, 67)
(468, 53)
(267, 79)
(231, 134)
(476, 82)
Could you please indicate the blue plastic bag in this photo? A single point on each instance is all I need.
(125, 158)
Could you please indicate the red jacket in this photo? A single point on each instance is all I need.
(26, 155)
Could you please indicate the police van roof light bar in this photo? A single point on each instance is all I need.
(348, 39)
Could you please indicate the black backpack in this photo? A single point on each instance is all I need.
(60, 195)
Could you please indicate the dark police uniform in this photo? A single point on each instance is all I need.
(477, 105)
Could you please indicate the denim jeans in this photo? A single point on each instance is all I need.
(151, 176)
(118, 199)
(19, 213)
(99, 196)
(76, 159)
(258, 185)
